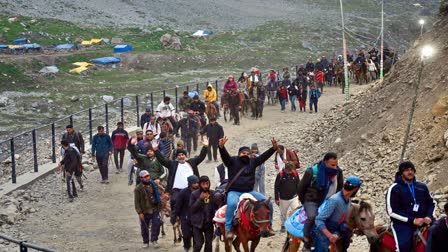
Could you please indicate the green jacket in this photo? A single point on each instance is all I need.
(144, 199)
(153, 166)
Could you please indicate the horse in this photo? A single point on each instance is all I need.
(360, 221)
(246, 102)
(386, 240)
(211, 110)
(252, 225)
(234, 101)
(225, 105)
(360, 71)
(165, 212)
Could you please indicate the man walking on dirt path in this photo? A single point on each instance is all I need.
(260, 171)
(241, 171)
(145, 117)
(285, 190)
(75, 141)
(71, 163)
(189, 129)
(319, 182)
(101, 151)
(119, 138)
(147, 201)
(284, 155)
(182, 211)
(214, 132)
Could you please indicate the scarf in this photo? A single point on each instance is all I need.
(154, 189)
(324, 173)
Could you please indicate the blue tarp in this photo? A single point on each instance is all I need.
(31, 46)
(122, 48)
(65, 46)
(3, 46)
(20, 41)
(106, 60)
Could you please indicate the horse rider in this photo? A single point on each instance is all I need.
(230, 85)
(166, 110)
(360, 59)
(210, 96)
(301, 70)
(331, 221)
(324, 62)
(310, 66)
(409, 205)
(241, 173)
(318, 183)
(252, 80)
(198, 107)
(189, 129)
(185, 102)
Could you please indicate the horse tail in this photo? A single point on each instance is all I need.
(286, 245)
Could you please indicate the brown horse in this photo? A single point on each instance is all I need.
(165, 212)
(211, 110)
(386, 240)
(360, 221)
(360, 73)
(252, 225)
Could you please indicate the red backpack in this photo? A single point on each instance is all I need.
(293, 171)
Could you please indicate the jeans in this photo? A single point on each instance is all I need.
(201, 235)
(116, 151)
(154, 219)
(283, 104)
(321, 242)
(232, 204)
(187, 143)
(313, 101)
(103, 162)
(130, 171)
(259, 179)
(292, 98)
(213, 145)
(311, 212)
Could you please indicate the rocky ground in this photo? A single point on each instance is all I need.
(102, 218)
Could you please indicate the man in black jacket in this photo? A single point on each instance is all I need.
(214, 132)
(438, 234)
(71, 163)
(202, 212)
(145, 117)
(319, 182)
(245, 181)
(285, 191)
(76, 141)
(182, 210)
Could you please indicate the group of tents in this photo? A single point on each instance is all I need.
(84, 66)
(20, 46)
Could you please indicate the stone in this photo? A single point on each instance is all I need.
(338, 140)
(9, 214)
(170, 41)
(35, 105)
(440, 107)
(108, 98)
(444, 190)
(158, 29)
(74, 99)
(3, 101)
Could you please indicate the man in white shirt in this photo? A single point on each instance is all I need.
(166, 110)
(154, 126)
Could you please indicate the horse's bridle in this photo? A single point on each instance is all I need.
(254, 220)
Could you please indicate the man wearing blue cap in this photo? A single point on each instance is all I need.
(330, 222)
(241, 172)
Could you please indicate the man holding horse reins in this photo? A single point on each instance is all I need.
(241, 171)
(409, 206)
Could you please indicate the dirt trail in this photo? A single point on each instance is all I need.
(103, 217)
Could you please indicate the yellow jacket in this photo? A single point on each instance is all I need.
(210, 96)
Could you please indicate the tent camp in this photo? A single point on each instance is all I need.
(20, 41)
(65, 47)
(31, 46)
(201, 33)
(49, 70)
(122, 48)
(83, 64)
(3, 46)
(106, 60)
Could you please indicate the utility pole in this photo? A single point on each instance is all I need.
(344, 48)
(382, 41)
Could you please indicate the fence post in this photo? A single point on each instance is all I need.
(13, 162)
(188, 88)
(164, 94)
(53, 143)
(71, 120)
(152, 103)
(122, 110)
(216, 88)
(90, 125)
(136, 108)
(197, 87)
(34, 150)
(106, 110)
(22, 247)
(175, 93)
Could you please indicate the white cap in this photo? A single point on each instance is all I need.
(143, 173)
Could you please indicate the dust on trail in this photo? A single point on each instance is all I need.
(103, 217)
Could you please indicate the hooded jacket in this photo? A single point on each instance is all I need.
(201, 210)
(210, 96)
(400, 202)
(246, 181)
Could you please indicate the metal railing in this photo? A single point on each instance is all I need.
(24, 245)
(32, 146)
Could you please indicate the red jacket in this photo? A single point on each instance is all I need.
(119, 139)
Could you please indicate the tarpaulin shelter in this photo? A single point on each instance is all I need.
(20, 41)
(202, 33)
(86, 42)
(96, 41)
(78, 70)
(106, 60)
(65, 46)
(4, 46)
(49, 69)
(83, 64)
(31, 46)
(122, 48)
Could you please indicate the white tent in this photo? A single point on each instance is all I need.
(201, 33)
(49, 69)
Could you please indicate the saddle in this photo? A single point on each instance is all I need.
(242, 206)
(419, 244)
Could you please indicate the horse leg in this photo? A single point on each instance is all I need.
(254, 244)
(236, 244)
(180, 233)
(294, 245)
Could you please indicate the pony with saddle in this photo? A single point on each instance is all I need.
(231, 103)
(386, 240)
(251, 222)
(360, 221)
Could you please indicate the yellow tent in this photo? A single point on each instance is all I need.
(96, 41)
(15, 46)
(78, 70)
(86, 42)
(83, 64)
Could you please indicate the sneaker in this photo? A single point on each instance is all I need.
(70, 199)
(117, 172)
(306, 246)
(155, 244)
(106, 181)
(81, 188)
(103, 181)
(145, 245)
(229, 235)
(75, 195)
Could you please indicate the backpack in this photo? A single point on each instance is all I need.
(315, 169)
(293, 171)
(297, 157)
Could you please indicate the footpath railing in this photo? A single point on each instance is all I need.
(24, 245)
(30, 149)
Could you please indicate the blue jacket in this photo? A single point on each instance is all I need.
(246, 181)
(314, 93)
(334, 213)
(101, 145)
(400, 202)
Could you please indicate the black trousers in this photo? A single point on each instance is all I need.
(212, 145)
(71, 188)
(201, 236)
(116, 152)
(187, 233)
(313, 101)
(103, 162)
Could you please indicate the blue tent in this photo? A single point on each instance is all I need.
(122, 48)
(65, 46)
(106, 60)
(31, 46)
(20, 41)
(3, 46)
